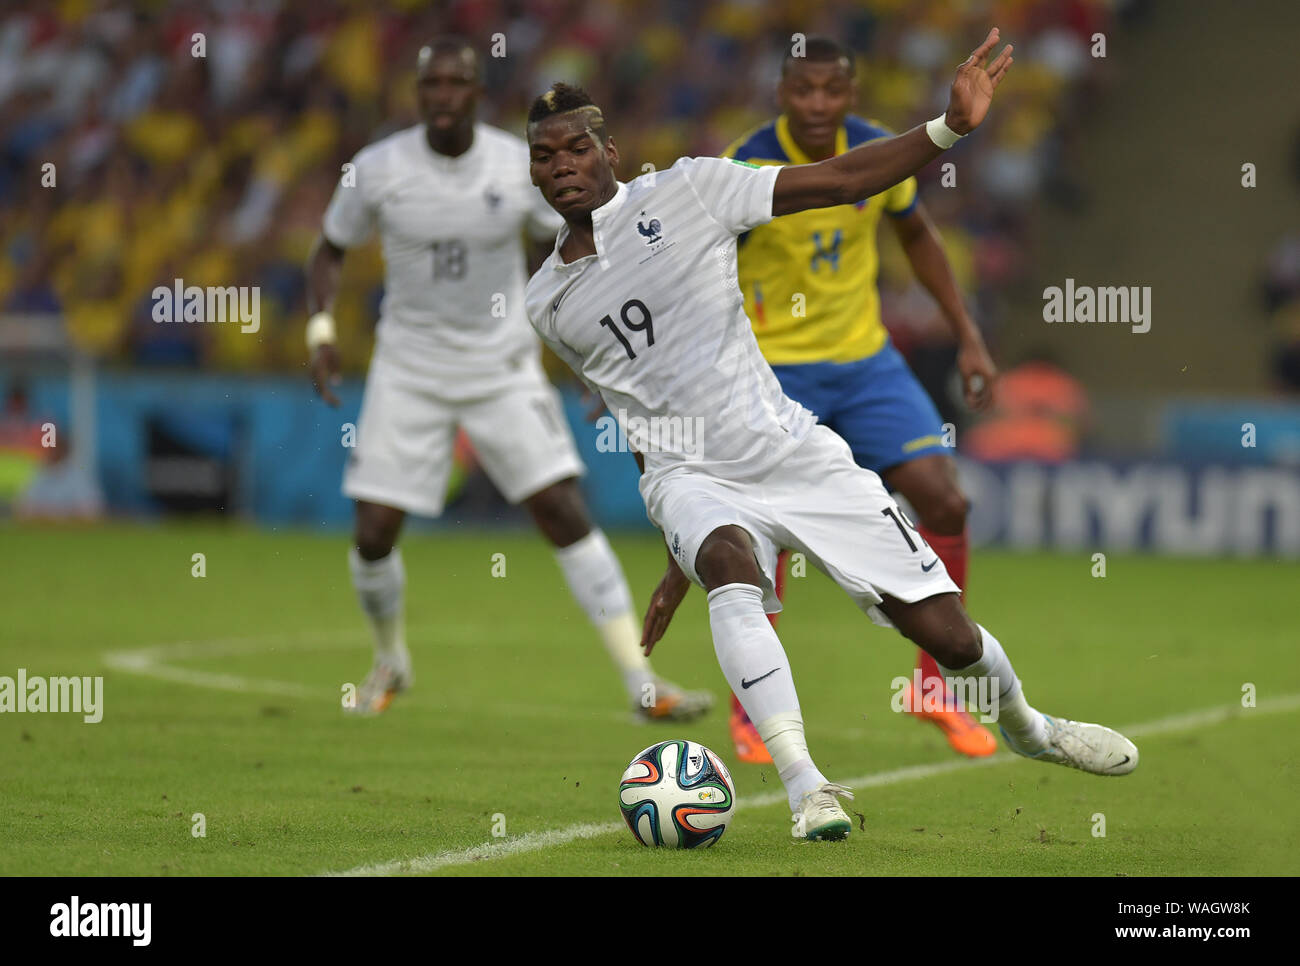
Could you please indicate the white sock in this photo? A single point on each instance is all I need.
(381, 588)
(783, 735)
(755, 665)
(596, 580)
(1022, 723)
(622, 637)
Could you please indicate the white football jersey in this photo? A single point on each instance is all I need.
(454, 261)
(655, 322)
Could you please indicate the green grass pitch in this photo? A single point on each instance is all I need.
(222, 699)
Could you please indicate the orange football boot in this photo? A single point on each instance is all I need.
(964, 733)
(749, 746)
(673, 704)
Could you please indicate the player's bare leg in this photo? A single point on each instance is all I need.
(755, 665)
(380, 581)
(930, 485)
(968, 651)
(596, 581)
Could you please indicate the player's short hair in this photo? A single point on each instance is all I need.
(563, 98)
(820, 49)
(449, 45)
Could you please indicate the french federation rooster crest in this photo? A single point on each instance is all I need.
(650, 232)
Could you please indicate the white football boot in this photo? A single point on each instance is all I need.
(382, 684)
(1092, 748)
(820, 815)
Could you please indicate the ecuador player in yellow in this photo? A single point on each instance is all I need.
(809, 281)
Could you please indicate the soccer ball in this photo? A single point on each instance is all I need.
(677, 794)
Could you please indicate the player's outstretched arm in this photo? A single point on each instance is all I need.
(921, 245)
(873, 167)
(663, 602)
(324, 266)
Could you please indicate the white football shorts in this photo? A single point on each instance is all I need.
(818, 502)
(406, 433)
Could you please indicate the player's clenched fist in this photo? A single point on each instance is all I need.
(325, 368)
(972, 90)
(978, 374)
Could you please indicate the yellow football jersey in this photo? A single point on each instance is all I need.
(809, 279)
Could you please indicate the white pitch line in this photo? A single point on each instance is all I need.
(536, 841)
(151, 662)
(1227, 712)
(143, 666)
(481, 853)
(156, 660)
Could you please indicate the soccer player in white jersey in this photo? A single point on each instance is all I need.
(640, 298)
(451, 200)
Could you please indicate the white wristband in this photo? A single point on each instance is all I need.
(320, 330)
(941, 134)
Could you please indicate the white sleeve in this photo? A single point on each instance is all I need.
(350, 218)
(736, 194)
(543, 222)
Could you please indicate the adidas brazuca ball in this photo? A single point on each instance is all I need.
(677, 794)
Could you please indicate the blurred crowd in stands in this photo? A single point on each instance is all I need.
(1280, 290)
(201, 139)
